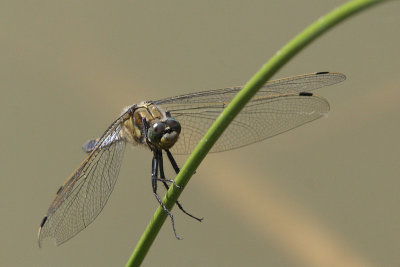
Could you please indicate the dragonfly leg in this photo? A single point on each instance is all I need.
(173, 162)
(176, 168)
(162, 175)
(154, 176)
(167, 181)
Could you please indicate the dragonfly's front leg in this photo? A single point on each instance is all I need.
(173, 162)
(154, 179)
(176, 168)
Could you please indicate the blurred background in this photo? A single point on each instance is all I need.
(325, 194)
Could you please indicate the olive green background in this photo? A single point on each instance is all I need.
(325, 194)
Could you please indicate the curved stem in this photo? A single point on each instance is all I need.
(287, 52)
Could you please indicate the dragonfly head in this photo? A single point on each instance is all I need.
(164, 134)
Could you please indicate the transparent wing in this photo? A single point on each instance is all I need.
(84, 194)
(278, 107)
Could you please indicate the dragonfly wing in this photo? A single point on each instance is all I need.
(84, 194)
(302, 83)
(277, 107)
(260, 119)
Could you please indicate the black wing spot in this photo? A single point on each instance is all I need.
(305, 94)
(43, 221)
(59, 190)
(322, 72)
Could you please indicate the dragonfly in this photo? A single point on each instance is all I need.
(175, 125)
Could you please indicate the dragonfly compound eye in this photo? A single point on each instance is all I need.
(173, 125)
(156, 131)
(171, 133)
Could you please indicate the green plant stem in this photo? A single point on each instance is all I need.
(319, 27)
